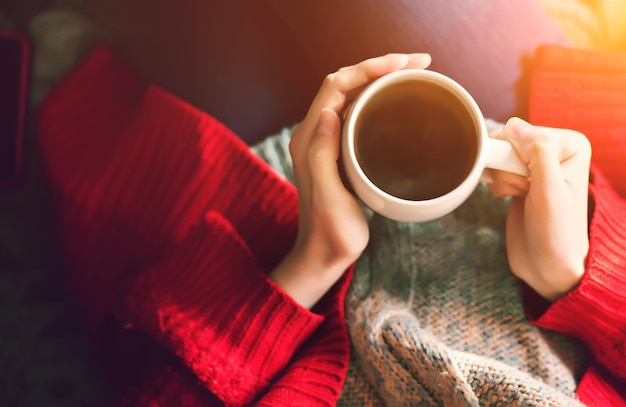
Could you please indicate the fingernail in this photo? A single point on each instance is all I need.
(325, 121)
(426, 58)
(402, 59)
(518, 128)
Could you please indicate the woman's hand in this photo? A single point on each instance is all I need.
(332, 229)
(547, 236)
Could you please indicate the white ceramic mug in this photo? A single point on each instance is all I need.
(415, 145)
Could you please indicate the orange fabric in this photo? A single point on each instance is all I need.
(584, 90)
(590, 24)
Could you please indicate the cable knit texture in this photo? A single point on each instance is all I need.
(436, 318)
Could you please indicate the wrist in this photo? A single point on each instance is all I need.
(307, 277)
(558, 284)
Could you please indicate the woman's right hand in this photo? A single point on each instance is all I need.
(332, 229)
(547, 238)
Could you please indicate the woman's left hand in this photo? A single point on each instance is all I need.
(332, 229)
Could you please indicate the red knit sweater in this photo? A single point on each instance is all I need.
(586, 91)
(168, 226)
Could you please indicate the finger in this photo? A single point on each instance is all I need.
(376, 70)
(323, 154)
(364, 72)
(498, 133)
(575, 156)
(504, 183)
(338, 85)
(505, 177)
(562, 143)
(553, 198)
(541, 150)
(297, 150)
(323, 150)
(418, 61)
(502, 190)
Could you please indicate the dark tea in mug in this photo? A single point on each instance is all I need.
(416, 140)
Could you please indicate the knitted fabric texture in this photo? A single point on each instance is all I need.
(567, 82)
(424, 323)
(585, 91)
(435, 316)
(167, 251)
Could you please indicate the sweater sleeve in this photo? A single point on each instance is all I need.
(232, 326)
(594, 310)
(584, 90)
(167, 220)
(204, 319)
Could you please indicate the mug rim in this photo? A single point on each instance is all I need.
(452, 86)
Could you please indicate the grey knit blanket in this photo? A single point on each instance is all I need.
(435, 315)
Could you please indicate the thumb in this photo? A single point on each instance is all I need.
(540, 150)
(323, 152)
(324, 147)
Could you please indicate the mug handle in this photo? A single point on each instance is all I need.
(502, 156)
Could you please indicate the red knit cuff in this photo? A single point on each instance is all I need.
(316, 375)
(224, 318)
(594, 310)
(597, 388)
